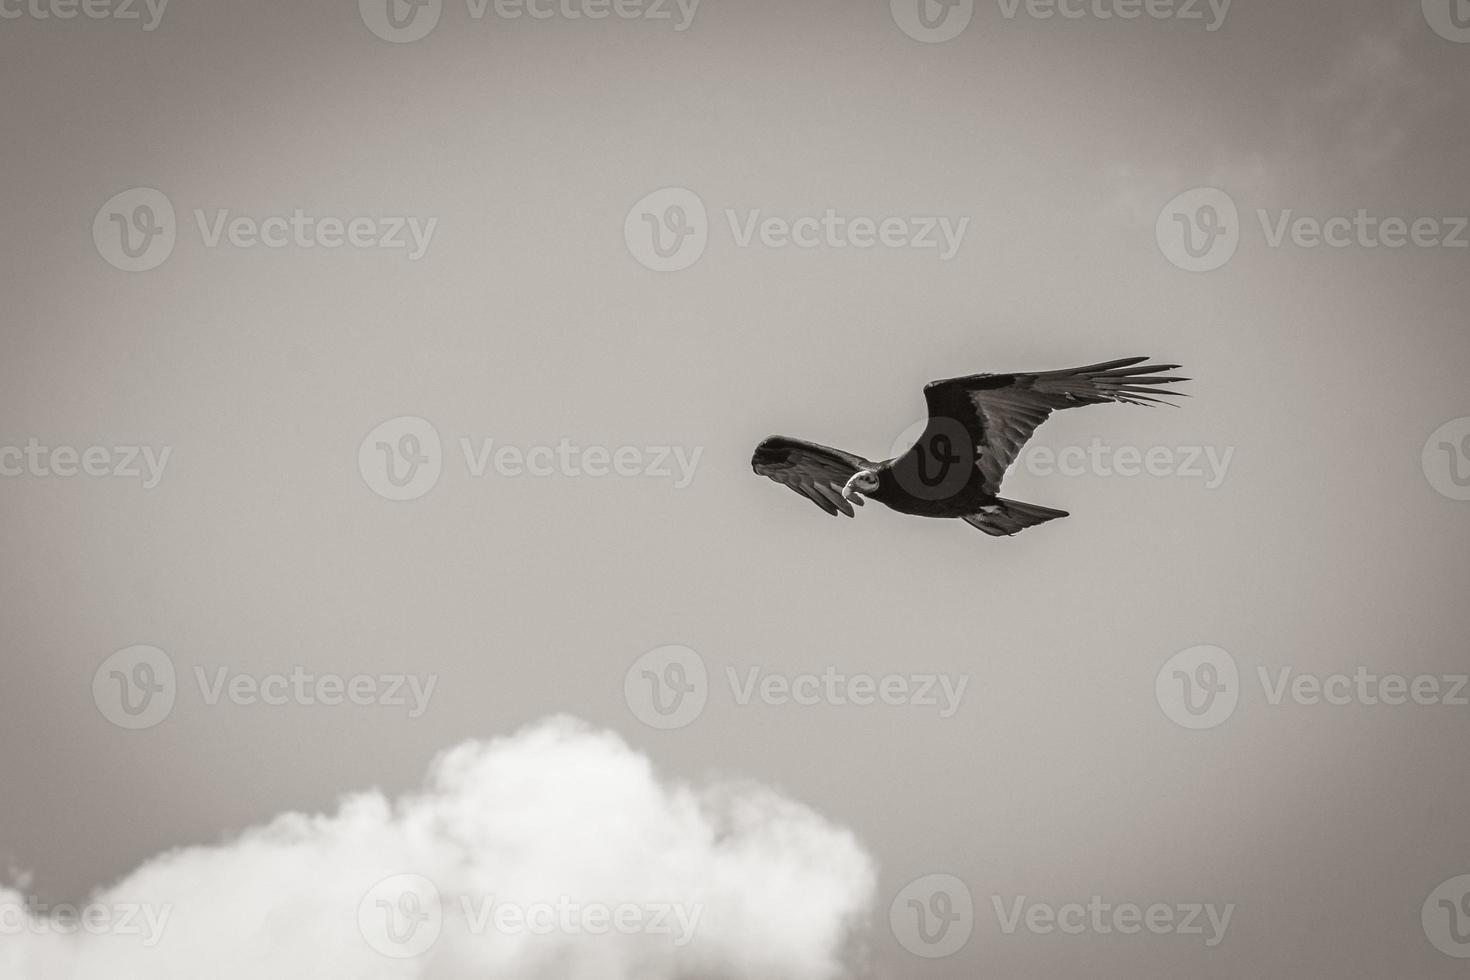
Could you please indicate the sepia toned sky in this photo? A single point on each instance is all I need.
(462, 233)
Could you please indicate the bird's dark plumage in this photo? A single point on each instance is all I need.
(975, 430)
(816, 472)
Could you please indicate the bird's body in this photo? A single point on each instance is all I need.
(976, 427)
(969, 499)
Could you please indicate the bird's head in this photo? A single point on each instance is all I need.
(863, 481)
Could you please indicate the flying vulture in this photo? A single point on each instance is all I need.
(976, 428)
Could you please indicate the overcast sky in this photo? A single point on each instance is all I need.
(282, 263)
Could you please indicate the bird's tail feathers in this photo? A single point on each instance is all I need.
(1006, 517)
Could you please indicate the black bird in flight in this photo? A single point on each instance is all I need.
(976, 428)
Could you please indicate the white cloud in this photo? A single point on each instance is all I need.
(556, 814)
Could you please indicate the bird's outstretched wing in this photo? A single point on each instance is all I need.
(1001, 411)
(816, 472)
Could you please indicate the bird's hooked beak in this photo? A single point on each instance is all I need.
(849, 492)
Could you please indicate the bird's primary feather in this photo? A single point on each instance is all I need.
(1001, 411)
(816, 472)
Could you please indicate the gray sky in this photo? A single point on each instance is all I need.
(1324, 545)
